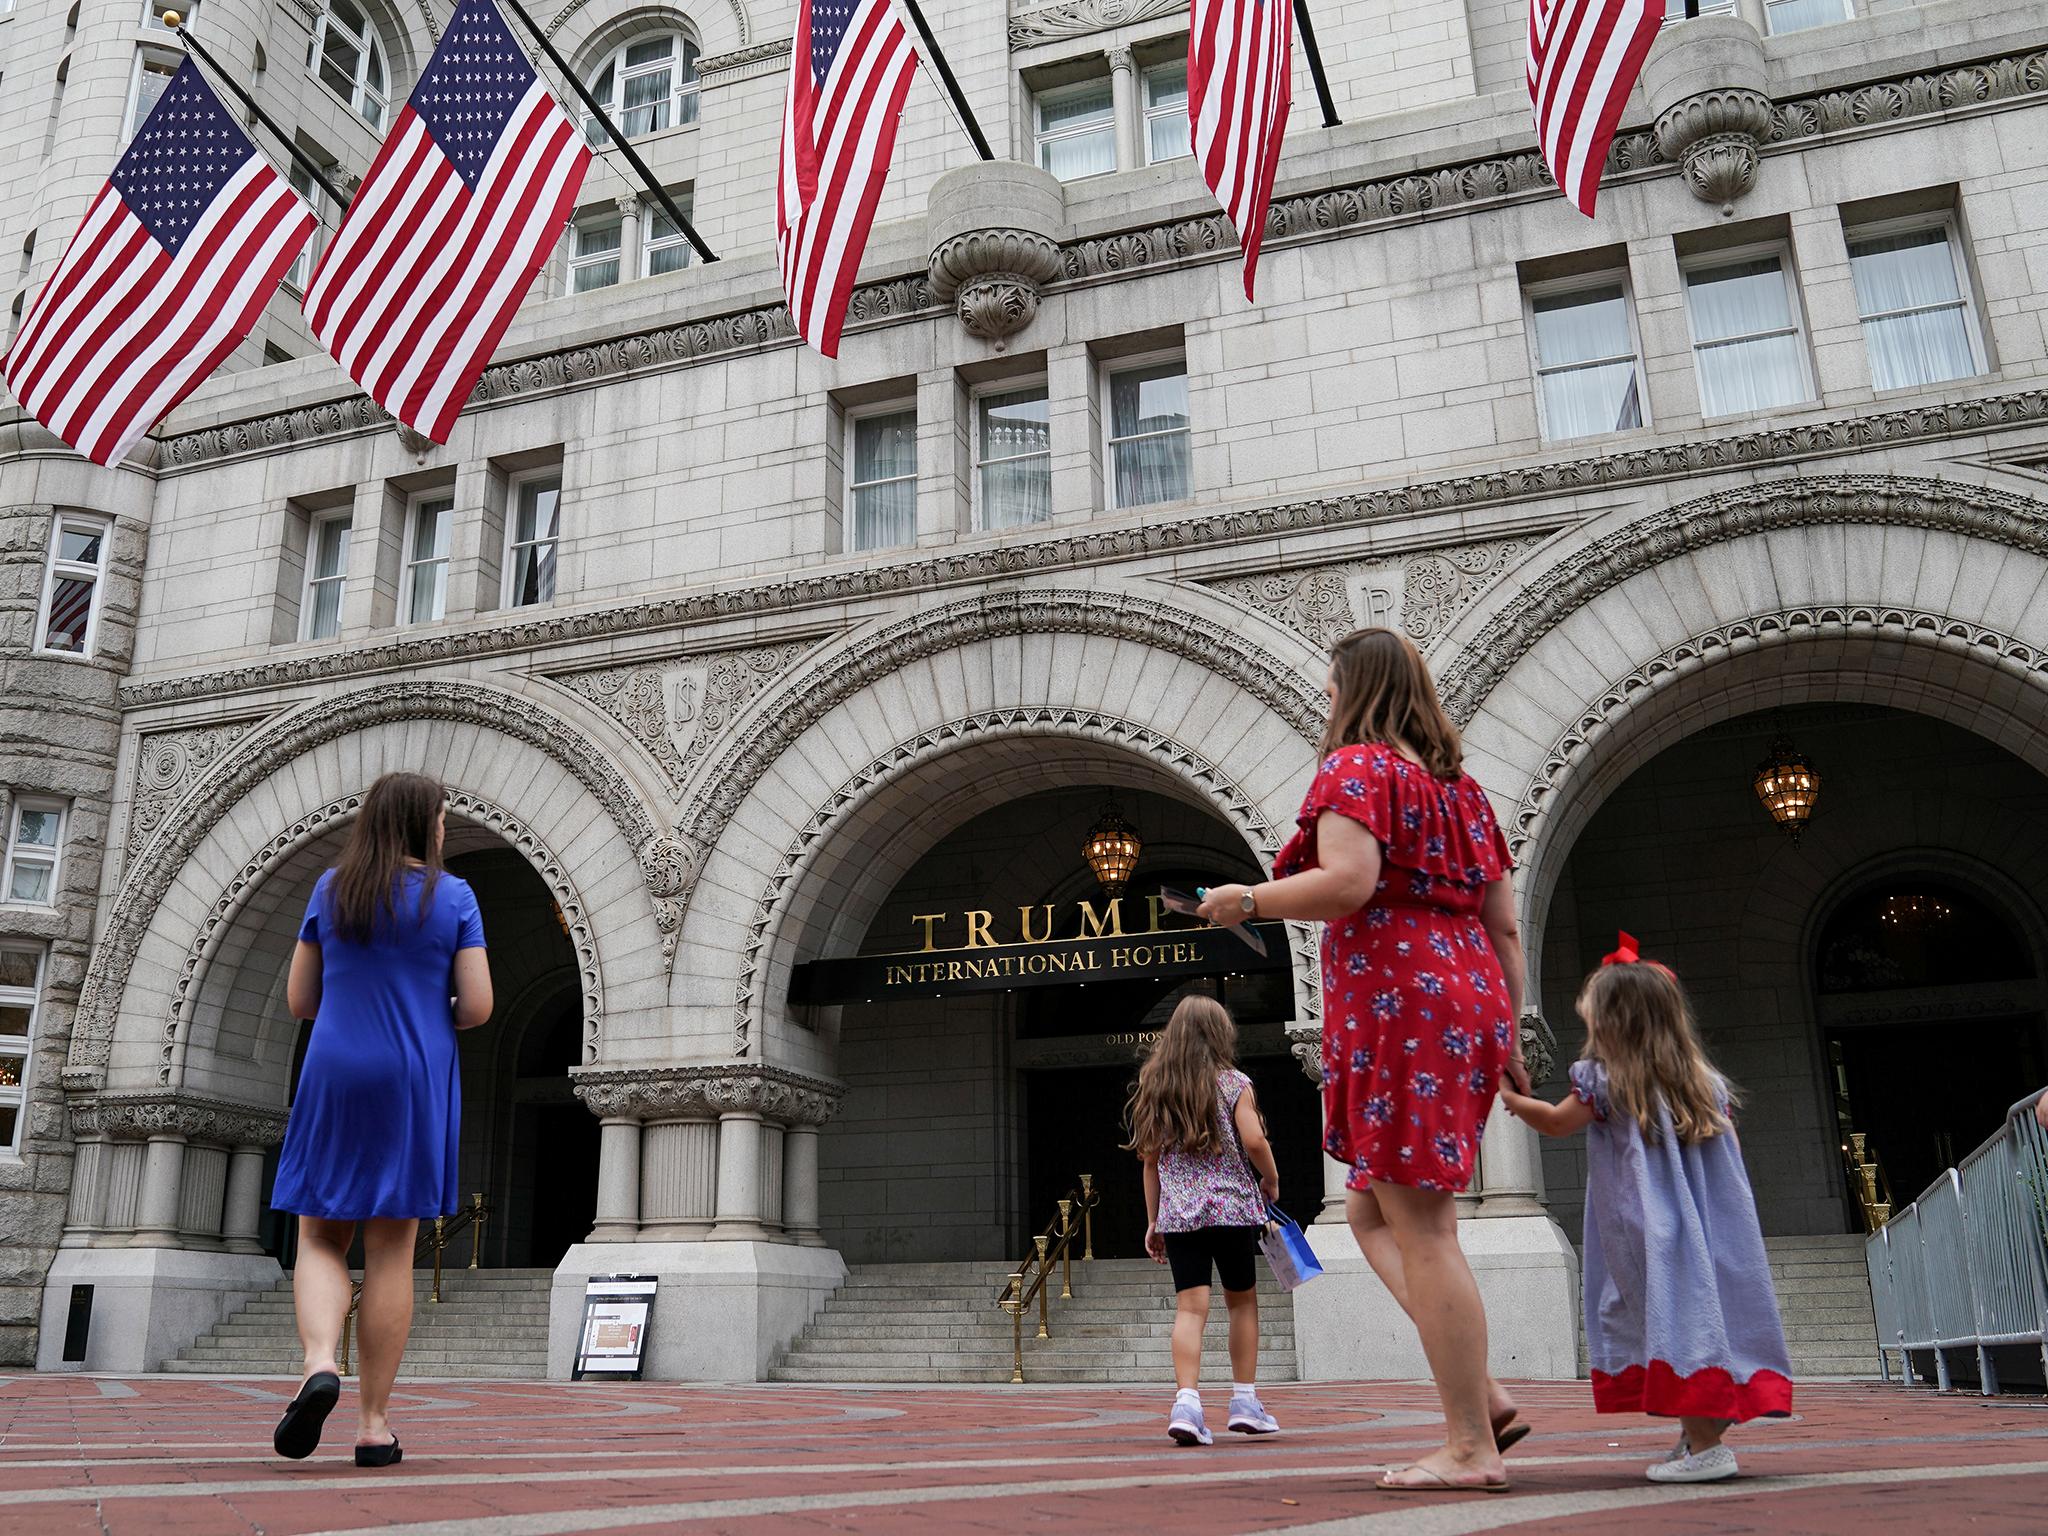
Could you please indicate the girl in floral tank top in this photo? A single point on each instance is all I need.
(1194, 1122)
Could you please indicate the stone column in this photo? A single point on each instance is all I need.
(618, 1181)
(800, 1186)
(87, 1211)
(1510, 1155)
(628, 205)
(739, 1177)
(244, 1209)
(1123, 89)
(163, 1172)
(1306, 1041)
(678, 1179)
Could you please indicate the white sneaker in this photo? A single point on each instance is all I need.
(1185, 1424)
(1248, 1415)
(1714, 1466)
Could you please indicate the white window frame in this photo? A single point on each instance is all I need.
(31, 998)
(56, 570)
(1040, 138)
(415, 505)
(149, 53)
(651, 243)
(306, 609)
(853, 418)
(1563, 287)
(17, 857)
(1770, 10)
(617, 254)
(509, 568)
(1973, 325)
(153, 14)
(1108, 372)
(303, 182)
(1147, 112)
(1796, 302)
(976, 510)
(366, 43)
(685, 106)
(1707, 8)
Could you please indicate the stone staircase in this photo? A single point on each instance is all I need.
(490, 1324)
(1824, 1299)
(939, 1322)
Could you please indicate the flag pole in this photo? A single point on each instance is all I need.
(668, 204)
(938, 57)
(1315, 62)
(304, 161)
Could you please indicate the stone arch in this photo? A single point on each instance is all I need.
(261, 756)
(290, 846)
(1112, 749)
(580, 28)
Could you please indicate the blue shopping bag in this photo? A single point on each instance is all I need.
(1287, 1251)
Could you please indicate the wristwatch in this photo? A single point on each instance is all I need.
(1248, 903)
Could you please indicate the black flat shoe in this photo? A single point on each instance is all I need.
(380, 1455)
(298, 1432)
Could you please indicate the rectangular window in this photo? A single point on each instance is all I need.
(153, 72)
(1166, 112)
(1782, 16)
(594, 252)
(1674, 10)
(21, 976)
(154, 11)
(881, 481)
(1588, 365)
(663, 247)
(72, 583)
(533, 539)
(1077, 130)
(1013, 458)
(1915, 305)
(428, 522)
(1748, 343)
(35, 842)
(326, 575)
(302, 264)
(1148, 433)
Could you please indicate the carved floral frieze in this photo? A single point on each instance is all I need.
(776, 1094)
(138, 1116)
(1082, 18)
(167, 765)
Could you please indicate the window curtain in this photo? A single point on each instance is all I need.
(1148, 412)
(1740, 368)
(1798, 15)
(1016, 455)
(1586, 390)
(1914, 273)
(885, 483)
(1077, 132)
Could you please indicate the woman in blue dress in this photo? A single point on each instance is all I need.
(390, 964)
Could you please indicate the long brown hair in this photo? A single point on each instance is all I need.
(1640, 1027)
(1174, 1103)
(1386, 697)
(394, 827)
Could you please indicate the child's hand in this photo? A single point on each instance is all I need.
(1155, 1244)
(1269, 1186)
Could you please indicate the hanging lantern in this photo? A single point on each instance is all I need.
(1788, 786)
(1112, 850)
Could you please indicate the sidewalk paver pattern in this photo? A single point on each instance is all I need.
(190, 1456)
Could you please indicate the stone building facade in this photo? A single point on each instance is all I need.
(734, 657)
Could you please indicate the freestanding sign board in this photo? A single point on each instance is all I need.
(616, 1310)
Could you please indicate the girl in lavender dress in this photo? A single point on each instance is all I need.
(1196, 1126)
(1681, 1320)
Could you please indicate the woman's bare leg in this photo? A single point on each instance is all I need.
(1443, 1299)
(383, 1322)
(320, 1290)
(1377, 1242)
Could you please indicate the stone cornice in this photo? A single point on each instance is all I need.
(1304, 218)
(1209, 527)
(137, 1116)
(705, 1092)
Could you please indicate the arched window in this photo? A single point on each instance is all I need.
(646, 84)
(348, 58)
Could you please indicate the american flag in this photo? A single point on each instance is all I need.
(850, 68)
(1240, 85)
(460, 211)
(174, 261)
(1584, 56)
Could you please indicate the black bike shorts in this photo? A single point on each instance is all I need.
(1233, 1251)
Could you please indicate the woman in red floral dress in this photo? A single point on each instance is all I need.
(1401, 858)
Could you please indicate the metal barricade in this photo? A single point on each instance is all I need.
(1909, 1279)
(2005, 1255)
(1884, 1300)
(1947, 1263)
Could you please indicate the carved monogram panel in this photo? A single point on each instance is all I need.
(676, 709)
(166, 768)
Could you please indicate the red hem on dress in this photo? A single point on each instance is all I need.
(1706, 1394)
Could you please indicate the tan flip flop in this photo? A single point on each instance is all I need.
(1442, 1483)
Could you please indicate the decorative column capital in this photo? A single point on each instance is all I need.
(1119, 59)
(776, 1094)
(1705, 81)
(994, 229)
(1539, 1045)
(1305, 1041)
(140, 1116)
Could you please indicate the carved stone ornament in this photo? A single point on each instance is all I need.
(1305, 1045)
(138, 1116)
(1705, 81)
(168, 764)
(994, 228)
(1082, 18)
(776, 1094)
(418, 444)
(1539, 1046)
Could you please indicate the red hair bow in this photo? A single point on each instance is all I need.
(1625, 952)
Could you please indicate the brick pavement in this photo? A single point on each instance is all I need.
(187, 1456)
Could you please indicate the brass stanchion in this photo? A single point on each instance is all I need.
(348, 1324)
(1039, 1241)
(440, 1242)
(1088, 1216)
(1014, 1305)
(1066, 1250)
(476, 1231)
